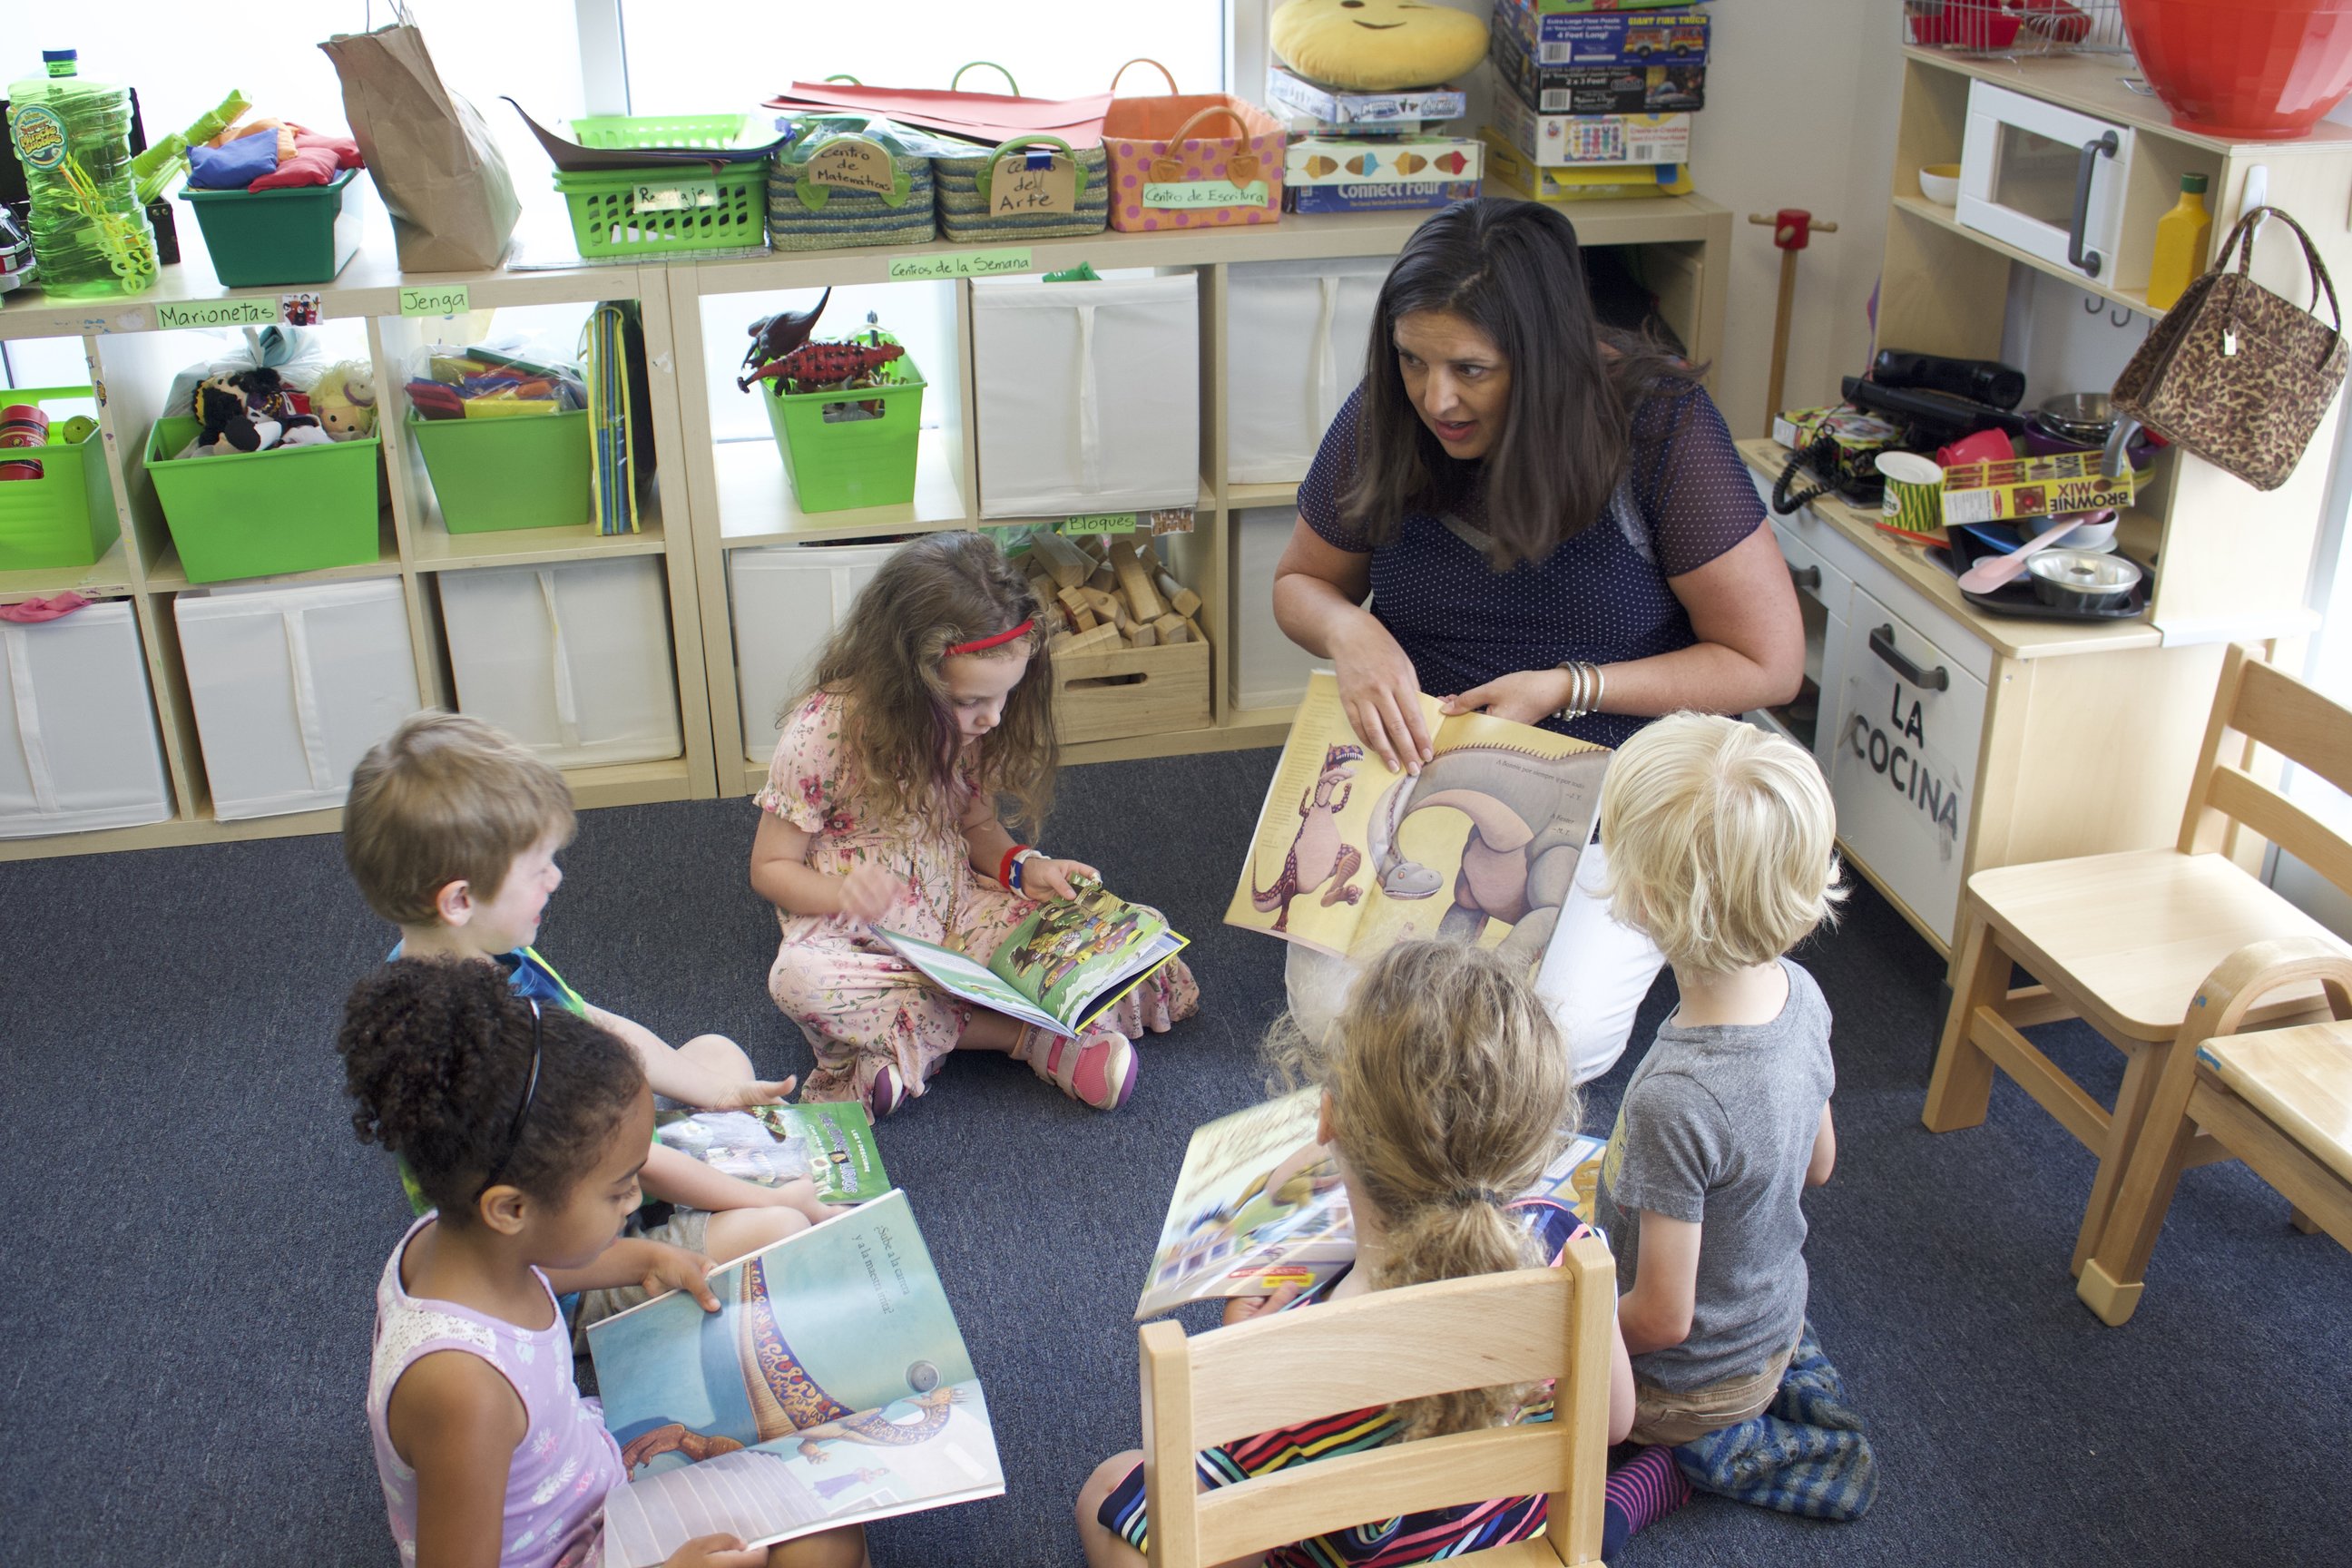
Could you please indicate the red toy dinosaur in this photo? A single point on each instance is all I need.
(817, 366)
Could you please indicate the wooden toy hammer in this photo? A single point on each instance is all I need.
(1792, 230)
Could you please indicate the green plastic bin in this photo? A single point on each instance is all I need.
(625, 132)
(491, 475)
(261, 238)
(666, 209)
(842, 462)
(65, 518)
(262, 514)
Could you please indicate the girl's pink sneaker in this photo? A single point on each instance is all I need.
(1098, 1069)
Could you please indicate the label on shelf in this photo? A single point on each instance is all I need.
(440, 299)
(853, 163)
(1032, 181)
(1099, 522)
(1205, 193)
(961, 263)
(673, 196)
(216, 313)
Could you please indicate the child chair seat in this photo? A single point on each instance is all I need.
(2300, 1078)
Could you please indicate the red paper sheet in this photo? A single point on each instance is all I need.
(985, 117)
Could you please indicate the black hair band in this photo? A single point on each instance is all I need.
(522, 1111)
(1463, 1197)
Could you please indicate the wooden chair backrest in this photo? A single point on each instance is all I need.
(1527, 1326)
(2258, 708)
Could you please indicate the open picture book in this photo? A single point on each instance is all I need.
(830, 1144)
(1258, 1204)
(1480, 846)
(831, 1387)
(1065, 963)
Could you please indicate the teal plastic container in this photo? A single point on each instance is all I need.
(257, 239)
(263, 514)
(65, 518)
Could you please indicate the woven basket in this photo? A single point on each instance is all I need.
(806, 216)
(965, 205)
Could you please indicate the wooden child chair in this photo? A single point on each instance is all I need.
(2280, 1100)
(1525, 1326)
(2124, 941)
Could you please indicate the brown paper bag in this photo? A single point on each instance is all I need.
(434, 163)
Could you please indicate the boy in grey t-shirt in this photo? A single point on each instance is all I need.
(1721, 846)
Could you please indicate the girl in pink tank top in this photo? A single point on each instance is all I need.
(526, 1129)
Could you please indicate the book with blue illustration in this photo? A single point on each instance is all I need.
(831, 1387)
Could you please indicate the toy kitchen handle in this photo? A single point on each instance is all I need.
(1174, 91)
(1806, 577)
(2105, 145)
(1882, 643)
(956, 79)
(988, 165)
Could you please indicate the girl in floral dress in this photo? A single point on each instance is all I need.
(881, 809)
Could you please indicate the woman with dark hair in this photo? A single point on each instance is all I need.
(1553, 527)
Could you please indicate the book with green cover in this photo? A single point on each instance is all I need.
(830, 1144)
(1060, 968)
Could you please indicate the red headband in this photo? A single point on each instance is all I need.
(999, 640)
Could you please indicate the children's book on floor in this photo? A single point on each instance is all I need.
(1258, 1205)
(830, 1144)
(1349, 859)
(831, 1387)
(1065, 963)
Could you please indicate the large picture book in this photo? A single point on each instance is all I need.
(830, 1144)
(1258, 1204)
(1480, 846)
(831, 1387)
(1061, 967)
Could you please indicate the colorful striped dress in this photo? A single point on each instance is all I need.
(1385, 1544)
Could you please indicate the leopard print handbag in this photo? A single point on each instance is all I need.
(2235, 373)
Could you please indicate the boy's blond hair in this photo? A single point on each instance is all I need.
(1722, 842)
(445, 799)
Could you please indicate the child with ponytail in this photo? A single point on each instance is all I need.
(1445, 1094)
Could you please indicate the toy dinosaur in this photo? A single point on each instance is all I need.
(818, 366)
(1317, 855)
(1530, 816)
(774, 337)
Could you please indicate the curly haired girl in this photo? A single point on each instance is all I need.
(526, 1127)
(929, 706)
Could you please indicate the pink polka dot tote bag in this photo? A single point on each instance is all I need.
(1204, 159)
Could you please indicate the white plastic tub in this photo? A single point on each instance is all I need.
(78, 749)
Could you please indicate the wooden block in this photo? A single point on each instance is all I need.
(1075, 601)
(1104, 578)
(1135, 582)
(1172, 628)
(1065, 562)
(1106, 606)
(1143, 636)
(1093, 544)
(1104, 638)
(1194, 628)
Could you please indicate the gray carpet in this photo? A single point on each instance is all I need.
(196, 1234)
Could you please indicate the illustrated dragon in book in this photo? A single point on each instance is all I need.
(1317, 854)
(1530, 816)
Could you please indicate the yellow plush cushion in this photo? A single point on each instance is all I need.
(1378, 46)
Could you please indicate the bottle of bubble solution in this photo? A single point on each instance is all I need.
(90, 235)
(2181, 236)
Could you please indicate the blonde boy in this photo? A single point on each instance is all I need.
(451, 832)
(1721, 847)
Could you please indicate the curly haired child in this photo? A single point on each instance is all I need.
(526, 1126)
(931, 704)
(1445, 1092)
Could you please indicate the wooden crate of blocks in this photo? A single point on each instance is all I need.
(1128, 654)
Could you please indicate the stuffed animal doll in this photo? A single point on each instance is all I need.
(1376, 45)
(233, 420)
(344, 401)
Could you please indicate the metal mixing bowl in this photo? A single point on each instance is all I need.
(2080, 580)
(2083, 416)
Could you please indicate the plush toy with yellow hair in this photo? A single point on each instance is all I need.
(1378, 46)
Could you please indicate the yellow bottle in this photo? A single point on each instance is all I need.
(2181, 236)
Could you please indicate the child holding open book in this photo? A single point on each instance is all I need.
(930, 703)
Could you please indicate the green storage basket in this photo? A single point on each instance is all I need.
(260, 238)
(263, 514)
(65, 518)
(623, 132)
(842, 463)
(492, 475)
(667, 210)
(967, 215)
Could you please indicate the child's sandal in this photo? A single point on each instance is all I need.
(1098, 1069)
(886, 1093)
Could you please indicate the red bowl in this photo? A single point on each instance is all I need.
(2252, 71)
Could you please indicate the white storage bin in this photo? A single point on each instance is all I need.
(1296, 332)
(1269, 669)
(77, 743)
(572, 661)
(1089, 394)
(292, 686)
(784, 602)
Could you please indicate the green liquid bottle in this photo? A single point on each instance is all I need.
(89, 233)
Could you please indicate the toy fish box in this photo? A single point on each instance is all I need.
(1288, 93)
(1562, 140)
(1595, 90)
(2032, 487)
(1411, 196)
(1357, 161)
(1506, 164)
(1677, 37)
